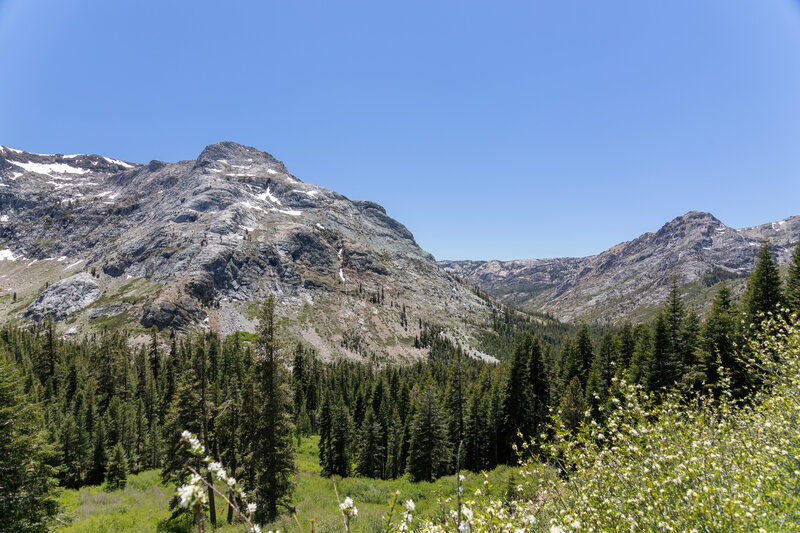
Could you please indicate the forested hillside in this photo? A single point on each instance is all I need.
(100, 408)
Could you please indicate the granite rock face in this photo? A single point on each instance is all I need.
(65, 297)
(196, 243)
(632, 276)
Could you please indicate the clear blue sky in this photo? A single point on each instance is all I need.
(491, 129)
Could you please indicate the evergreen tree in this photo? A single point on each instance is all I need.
(626, 343)
(572, 405)
(429, 453)
(602, 371)
(477, 430)
(638, 369)
(340, 440)
(273, 451)
(394, 467)
(517, 399)
(117, 470)
(763, 293)
(659, 369)
(793, 282)
(370, 447)
(325, 422)
(717, 343)
(98, 470)
(27, 482)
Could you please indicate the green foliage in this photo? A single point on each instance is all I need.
(763, 294)
(793, 282)
(703, 463)
(117, 468)
(27, 475)
(273, 447)
(572, 406)
(429, 452)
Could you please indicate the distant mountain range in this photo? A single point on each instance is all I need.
(631, 279)
(96, 242)
(100, 243)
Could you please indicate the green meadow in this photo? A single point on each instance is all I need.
(143, 505)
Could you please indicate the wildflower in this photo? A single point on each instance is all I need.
(410, 505)
(348, 507)
(189, 495)
(467, 512)
(251, 508)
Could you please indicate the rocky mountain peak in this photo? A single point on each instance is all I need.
(229, 152)
(93, 240)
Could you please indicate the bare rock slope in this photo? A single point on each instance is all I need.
(95, 241)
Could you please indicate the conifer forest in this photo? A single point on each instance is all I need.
(200, 409)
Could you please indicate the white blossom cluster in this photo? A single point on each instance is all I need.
(348, 507)
(192, 495)
(405, 522)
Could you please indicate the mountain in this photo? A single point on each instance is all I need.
(96, 242)
(632, 278)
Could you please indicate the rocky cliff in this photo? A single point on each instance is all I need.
(97, 242)
(632, 278)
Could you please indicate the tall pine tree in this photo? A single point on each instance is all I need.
(273, 451)
(793, 282)
(763, 294)
(429, 452)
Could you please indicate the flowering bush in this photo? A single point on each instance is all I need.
(193, 494)
(709, 463)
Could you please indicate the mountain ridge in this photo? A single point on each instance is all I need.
(632, 276)
(198, 242)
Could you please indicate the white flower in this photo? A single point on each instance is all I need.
(189, 495)
(251, 508)
(467, 512)
(556, 529)
(410, 505)
(215, 468)
(348, 507)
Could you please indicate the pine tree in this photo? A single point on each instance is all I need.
(517, 399)
(638, 368)
(273, 452)
(27, 483)
(325, 422)
(395, 443)
(429, 453)
(117, 469)
(793, 282)
(602, 371)
(584, 354)
(340, 441)
(626, 343)
(370, 447)
(572, 405)
(657, 372)
(717, 343)
(477, 429)
(763, 294)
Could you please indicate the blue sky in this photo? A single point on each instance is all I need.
(493, 130)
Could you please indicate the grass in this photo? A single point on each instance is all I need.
(143, 505)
